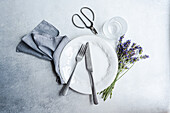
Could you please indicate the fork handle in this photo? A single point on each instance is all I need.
(65, 90)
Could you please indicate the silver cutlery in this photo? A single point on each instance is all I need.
(78, 58)
(89, 68)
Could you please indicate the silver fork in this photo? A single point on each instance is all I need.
(78, 58)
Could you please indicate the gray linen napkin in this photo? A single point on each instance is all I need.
(44, 42)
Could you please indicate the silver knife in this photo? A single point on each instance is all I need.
(89, 68)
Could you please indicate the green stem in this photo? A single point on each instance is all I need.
(108, 91)
(124, 73)
(110, 88)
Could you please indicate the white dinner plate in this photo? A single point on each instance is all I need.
(104, 61)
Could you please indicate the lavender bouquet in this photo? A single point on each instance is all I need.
(128, 54)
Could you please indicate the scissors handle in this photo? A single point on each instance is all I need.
(81, 20)
(81, 10)
(87, 26)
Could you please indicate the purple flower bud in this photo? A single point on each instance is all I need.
(147, 56)
(126, 67)
(144, 56)
(121, 38)
(131, 49)
(133, 45)
(140, 50)
(131, 61)
(137, 47)
(127, 43)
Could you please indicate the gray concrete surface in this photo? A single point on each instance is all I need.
(28, 84)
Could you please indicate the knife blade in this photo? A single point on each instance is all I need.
(88, 58)
(89, 68)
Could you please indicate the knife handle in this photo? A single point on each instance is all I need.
(94, 94)
(65, 90)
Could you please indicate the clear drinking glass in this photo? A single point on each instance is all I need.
(114, 28)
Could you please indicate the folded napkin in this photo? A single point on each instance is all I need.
(44, 42)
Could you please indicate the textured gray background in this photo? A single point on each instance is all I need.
(28, 85)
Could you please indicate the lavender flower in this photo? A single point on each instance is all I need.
(126, 44)
(144, 56)
(133, 45)
(121, 38)
(140, 50)
(127, 57)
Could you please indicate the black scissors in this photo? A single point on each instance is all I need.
(91, 23)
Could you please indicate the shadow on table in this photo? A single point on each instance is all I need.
(55, 74)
